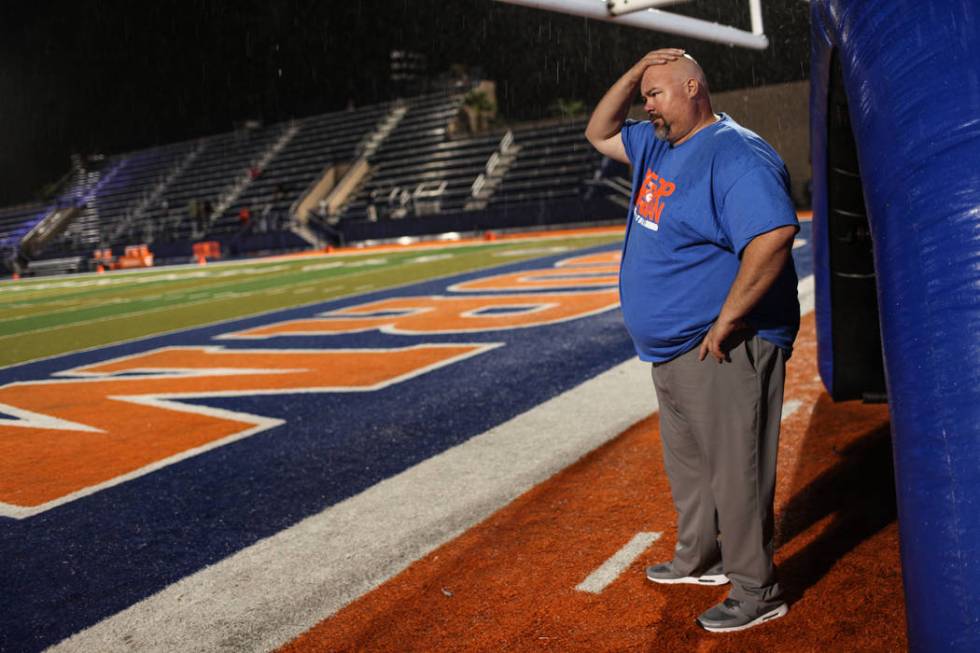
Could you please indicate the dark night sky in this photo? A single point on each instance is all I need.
(111, 76)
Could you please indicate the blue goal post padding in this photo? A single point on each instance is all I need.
(911, 71)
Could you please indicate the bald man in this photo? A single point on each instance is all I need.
(708, 291)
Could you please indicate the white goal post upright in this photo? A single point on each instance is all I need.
(643, 14)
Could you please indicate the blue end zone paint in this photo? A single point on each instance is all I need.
(69, 567)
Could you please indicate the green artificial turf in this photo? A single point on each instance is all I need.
(48, 316)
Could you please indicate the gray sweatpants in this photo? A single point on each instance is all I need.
(719, 423)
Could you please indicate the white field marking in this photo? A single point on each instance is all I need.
(172, 401)
(32, 420)
(394, 330)
(431, 258)
(172, 295)
(115, 317)
(183, 304)
(610, 570)
(150, 277)
(790, 407)
(536, 284)
(230, 267)
(528, 251)
(307, 572)
(805, 293)
(277, 309)
(571, 262)
(260, 424)
(400, 249)
(276, 589)
(329, 265)
(515, 310)
(533, 283)
(101, 319)
(366, 262)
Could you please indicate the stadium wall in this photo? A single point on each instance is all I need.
(541, 214)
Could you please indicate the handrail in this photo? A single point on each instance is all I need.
(492, 162)
(478, 185)
(438, 188)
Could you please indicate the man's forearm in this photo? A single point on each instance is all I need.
(762, 261)
(610, 113)
(608, 117)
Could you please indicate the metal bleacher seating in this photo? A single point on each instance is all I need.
(319, 141)
(554, 161)
(550, 161)
(147, 195)
(207, 181)
(418, 168)
(15, 221)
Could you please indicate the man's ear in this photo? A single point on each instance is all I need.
(693, 87)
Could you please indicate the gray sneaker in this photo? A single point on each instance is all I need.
(730, 616)
(664, 573)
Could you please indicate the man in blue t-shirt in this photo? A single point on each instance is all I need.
(708, 291)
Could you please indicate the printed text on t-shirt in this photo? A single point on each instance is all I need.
(649, 204)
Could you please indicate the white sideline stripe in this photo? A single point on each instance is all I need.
(271, 592)
(805, 292)
(790, 407)
(278, 588)
(610, 570)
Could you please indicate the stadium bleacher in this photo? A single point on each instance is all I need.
(553, 163)
(15, 221)
(245, 185)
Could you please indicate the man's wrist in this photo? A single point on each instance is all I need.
(727, 319)
(635, 74)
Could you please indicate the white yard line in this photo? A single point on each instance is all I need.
(610, 570)
(183, 303)
(790, 406)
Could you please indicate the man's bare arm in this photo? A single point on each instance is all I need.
(610, 114)
(762, 261)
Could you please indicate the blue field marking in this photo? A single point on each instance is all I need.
(69, 567)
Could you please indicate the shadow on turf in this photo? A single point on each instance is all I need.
(858, 491)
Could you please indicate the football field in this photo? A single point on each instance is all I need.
(47, 316)
(441, 447)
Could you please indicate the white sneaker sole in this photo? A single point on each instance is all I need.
(769, 616)
(716, 579)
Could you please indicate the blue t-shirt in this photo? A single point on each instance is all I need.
(695, 207)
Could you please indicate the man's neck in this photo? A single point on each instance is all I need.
(708, 118)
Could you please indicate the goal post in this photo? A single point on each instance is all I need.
(645, 15)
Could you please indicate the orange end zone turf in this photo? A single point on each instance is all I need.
(509, 583)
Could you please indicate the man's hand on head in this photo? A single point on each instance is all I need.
(605, 125)
(658, 58)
